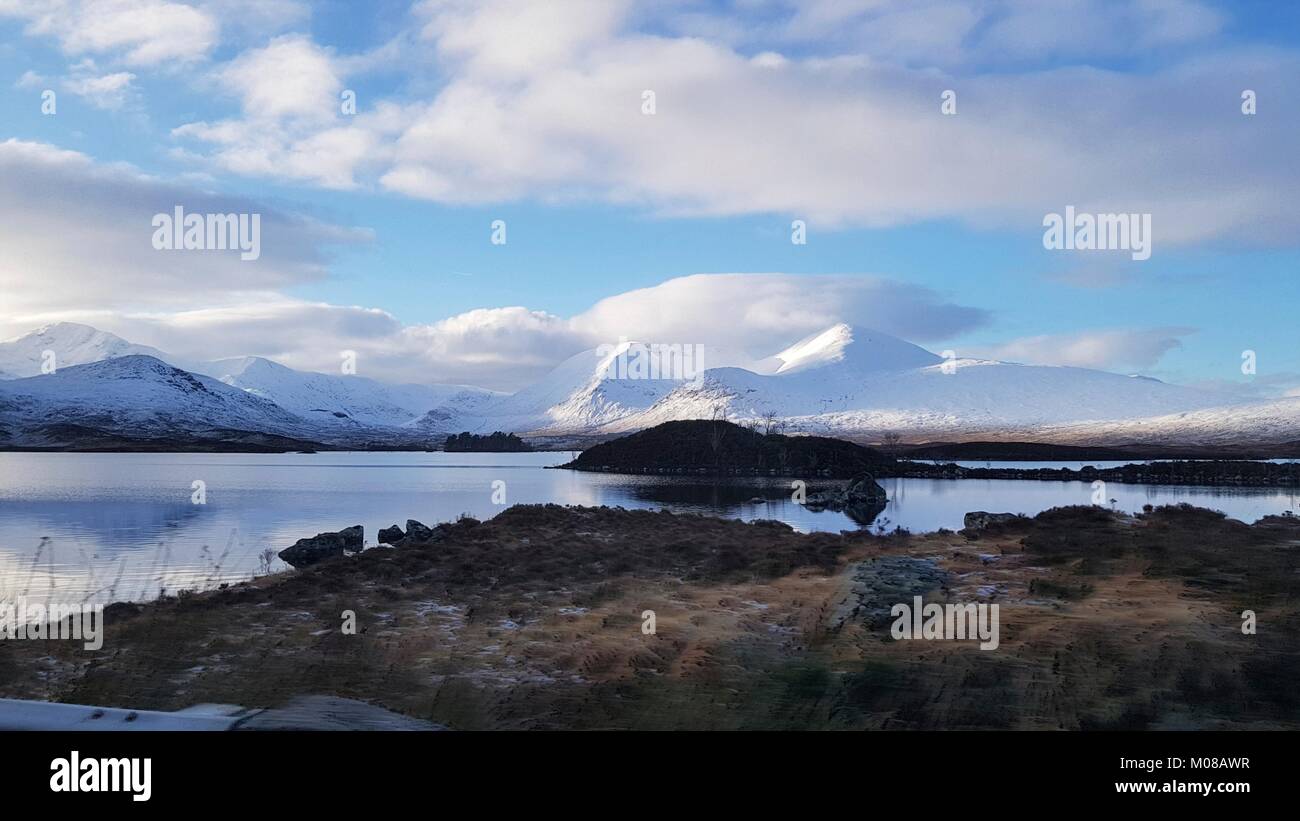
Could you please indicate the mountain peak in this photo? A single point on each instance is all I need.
(860, 349)
(71, 343)
(68, 332)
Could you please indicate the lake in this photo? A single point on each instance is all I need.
(114, 526)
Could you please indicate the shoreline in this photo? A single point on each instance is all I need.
(536, 619)
(1172, 473)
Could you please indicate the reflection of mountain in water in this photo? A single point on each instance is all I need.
(112, 526)
(728, 498)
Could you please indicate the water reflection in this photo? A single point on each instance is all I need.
(105, 526)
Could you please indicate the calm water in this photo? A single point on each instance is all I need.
(1055, 464)
(122, 526)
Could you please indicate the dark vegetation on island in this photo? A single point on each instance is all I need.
(1198, 473)
(710, 447)
(495, 442)
(720, 448)
(1047, 451)
(536, 620)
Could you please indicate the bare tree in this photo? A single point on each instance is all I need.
(890, 441)
(717, 431)
(771, 423)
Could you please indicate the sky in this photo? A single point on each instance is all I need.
(920, 145)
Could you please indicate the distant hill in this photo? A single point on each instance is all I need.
(1044, 451)
(721, 447)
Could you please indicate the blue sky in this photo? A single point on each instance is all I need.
(767, 112)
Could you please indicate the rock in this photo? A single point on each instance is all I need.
(862, 499)
(418, 532)
(306, 552)
(979, 519)
(121, 611)
(861, 490)
(354, 538)
(391, 535)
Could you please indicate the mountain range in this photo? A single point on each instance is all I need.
(844, 381)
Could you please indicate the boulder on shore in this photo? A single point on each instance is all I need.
(418, 531)
(979, 520)
(862, 499)
(391, 535)
(861, 490)
(305, 552)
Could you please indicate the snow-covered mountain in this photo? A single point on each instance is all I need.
(71, 343)
(337, 399)
(843, 381)
(1273, 421)
(970, 396)
(840, 381)
(137, 396)
(852, 353)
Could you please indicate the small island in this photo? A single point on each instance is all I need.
(715, 447)
(495, 442)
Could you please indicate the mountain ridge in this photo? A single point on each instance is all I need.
(842, 381)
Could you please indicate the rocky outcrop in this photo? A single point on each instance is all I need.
(878, 584)
(862, 499)
(978, 520)
(418, 531)
(306, 552)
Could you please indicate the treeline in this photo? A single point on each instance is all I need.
(1204, 472)
(495, 442)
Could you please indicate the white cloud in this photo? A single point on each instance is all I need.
(507, 348)
(105, 91)
(1108, 349)
(293, 125)
(257, 18)
(765, 312)
(77, 235)
(31, 79)
(290, 77)
(138, 32)
(951, 32)
(543, 102)
(78, 248)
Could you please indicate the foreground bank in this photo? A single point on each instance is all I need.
(551, 617)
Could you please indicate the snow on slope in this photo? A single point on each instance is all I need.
(336, 399)
(139, 395)
(1269, 422)
(578, 394)
(977, 395)
(858, 352)
(841, 380)
(72, 344)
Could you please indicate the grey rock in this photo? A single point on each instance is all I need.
(417, 531)
(306, 552)
(979, 520)
(861, 490)
(391, 535)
